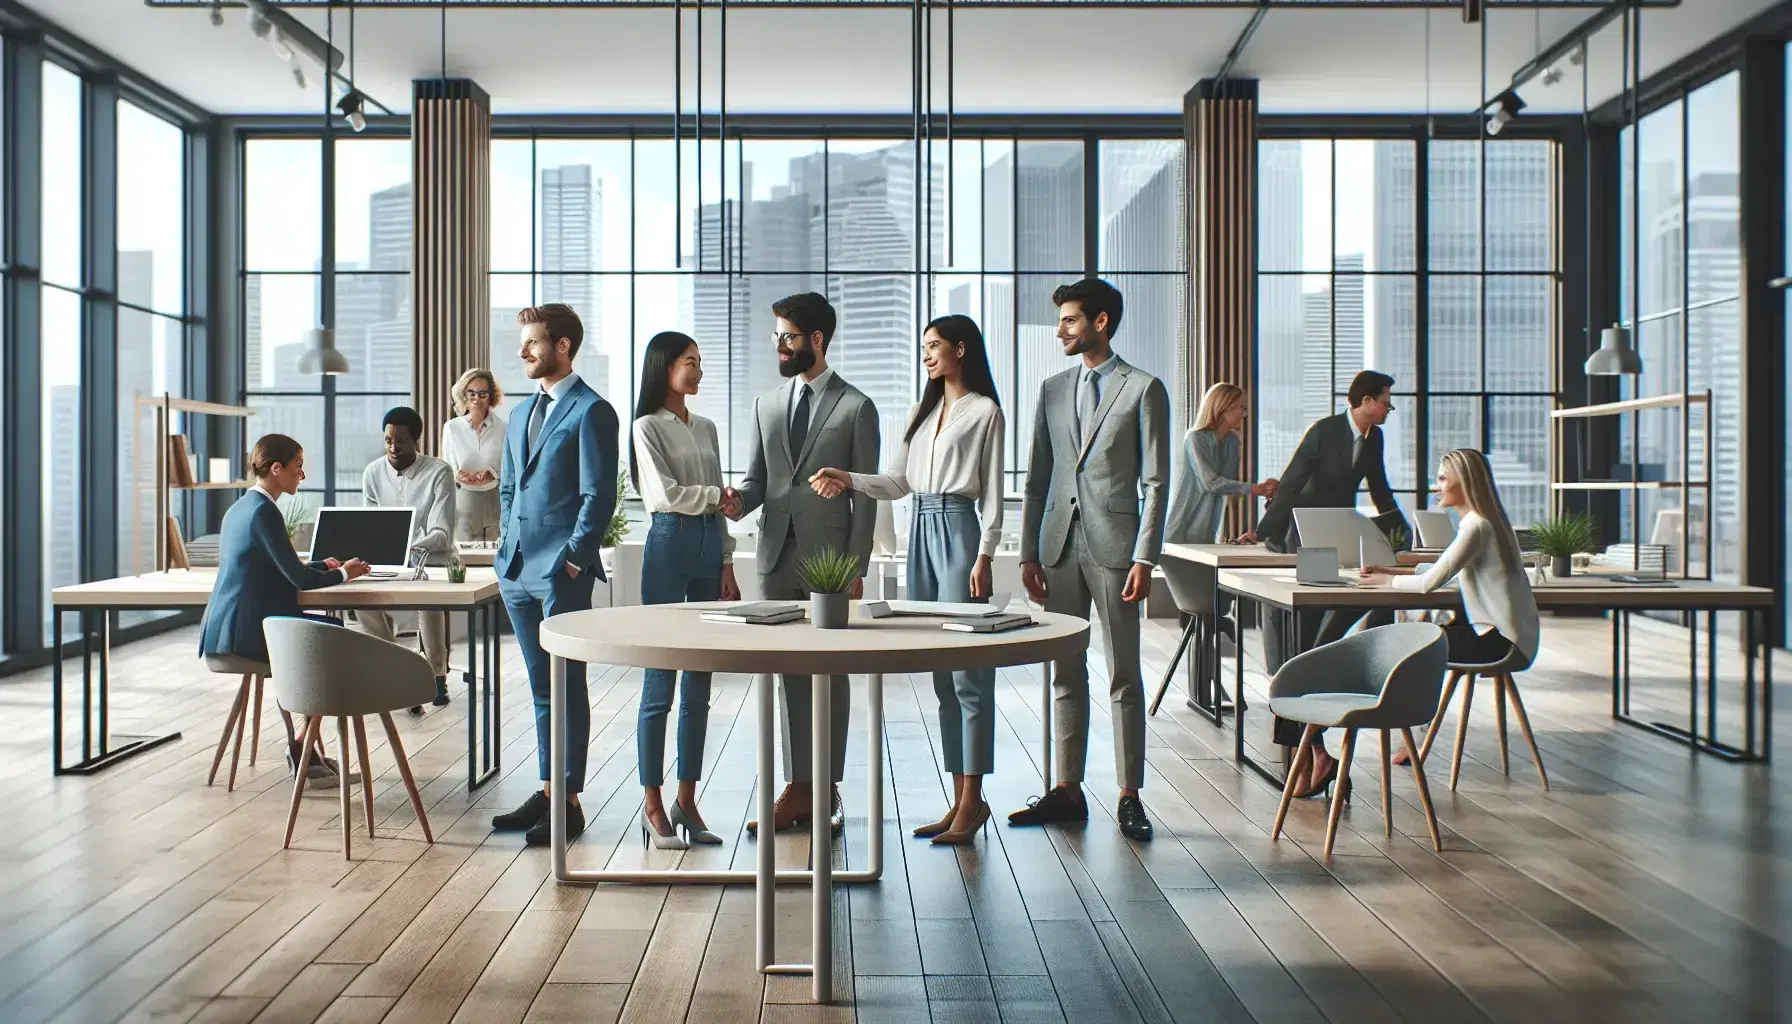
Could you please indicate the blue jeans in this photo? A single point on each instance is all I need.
(682, 562)
(529, 601)
(942, 551)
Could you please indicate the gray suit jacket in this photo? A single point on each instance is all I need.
(1118, 480)
(843, 434)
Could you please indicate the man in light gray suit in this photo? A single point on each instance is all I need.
(1092, 528)
(813, 421)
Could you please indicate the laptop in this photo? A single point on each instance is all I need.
(1436, 529)
(1354, 537)
(381, 537)
(1318, 567)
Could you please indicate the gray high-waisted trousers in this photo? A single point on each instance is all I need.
(942, 551)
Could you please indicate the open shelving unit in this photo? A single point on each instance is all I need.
(165, 528)
(1684, 401)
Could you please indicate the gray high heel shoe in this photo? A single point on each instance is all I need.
(671, 842)
(693, 831)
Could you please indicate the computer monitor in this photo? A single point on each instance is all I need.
(1436, 529)
(1354, 535)
(381, 537)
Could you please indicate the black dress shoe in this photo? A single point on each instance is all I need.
(441, 700)
(1058, 804)
(533, 811)
(837, 816)
(1133, 823)
(543, 832)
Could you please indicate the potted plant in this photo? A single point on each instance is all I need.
(297, 513)
(618, 526)
(1564, 537)
(828, 575)
(457, 572)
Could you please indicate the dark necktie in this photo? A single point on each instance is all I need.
(538, 414)
(799, 425)
(1356, 449)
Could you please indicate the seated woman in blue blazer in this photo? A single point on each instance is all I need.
(259, 573)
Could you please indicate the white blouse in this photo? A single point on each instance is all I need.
(680, 465)
(961, 455)
(1495, 595)
(466, 448)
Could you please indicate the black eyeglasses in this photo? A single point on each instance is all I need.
(478, 393)
(780, 338)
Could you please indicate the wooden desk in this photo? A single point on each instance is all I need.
(1276, 587)
(477, 556)
(96, 603)
(676, 637)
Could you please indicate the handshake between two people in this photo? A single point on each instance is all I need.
(829, 483)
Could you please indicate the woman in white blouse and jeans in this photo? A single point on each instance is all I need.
(1499, 612)
(951, 460)
(676, 464)
(473, 447)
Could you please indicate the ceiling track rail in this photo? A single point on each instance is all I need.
(1289, 5)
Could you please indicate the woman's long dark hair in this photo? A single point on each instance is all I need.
(663, 352)
(956, 329)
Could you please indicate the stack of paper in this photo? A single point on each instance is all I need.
(997, 623)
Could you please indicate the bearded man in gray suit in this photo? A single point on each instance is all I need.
(813, 421)
(1092, 528)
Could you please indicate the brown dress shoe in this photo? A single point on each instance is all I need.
(793, 808)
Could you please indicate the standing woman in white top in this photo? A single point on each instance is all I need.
(1499, 612)
(951, 460)
(473, 447)
(676, 464)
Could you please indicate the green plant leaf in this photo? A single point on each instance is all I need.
(618, 525)
(1566, 535)
(828, 571)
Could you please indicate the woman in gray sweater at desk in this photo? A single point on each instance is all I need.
(1209, 473)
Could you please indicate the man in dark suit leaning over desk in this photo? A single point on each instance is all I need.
(1336, 456)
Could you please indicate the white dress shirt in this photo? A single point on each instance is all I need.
(1496, 595)
(816, 387)
(426, 485)
(1088, 393)
(470, 449)
(961, 455)
(264, 492)
(680, 465)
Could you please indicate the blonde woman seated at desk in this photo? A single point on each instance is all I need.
(1499, 612)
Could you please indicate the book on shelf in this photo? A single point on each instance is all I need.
(988, 623)
(180, 467)
(758, 613)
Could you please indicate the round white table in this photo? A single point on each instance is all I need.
(675, 637)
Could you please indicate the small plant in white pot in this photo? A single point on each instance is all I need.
(1564, 537)
(828, 575)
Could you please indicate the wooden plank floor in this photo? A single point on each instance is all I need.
(1646, 886)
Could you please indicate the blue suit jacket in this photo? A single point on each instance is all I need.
(555, 502)
(259, 575)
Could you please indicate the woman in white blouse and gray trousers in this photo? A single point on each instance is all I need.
(951, 461)
(689, 556)
(473, 447)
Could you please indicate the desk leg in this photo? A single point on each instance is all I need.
(557, 762)
(874, 813)
(96, 722)
(821, 843)
(56, 691)
(765, 877)
(1240, 755)
(482, 703)
(1706, 743)
(1045, 721)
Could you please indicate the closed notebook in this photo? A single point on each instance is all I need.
(759, 613)
(989, 623)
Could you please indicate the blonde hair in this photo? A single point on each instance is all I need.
(458, 393)
(1474, 476)
(1217, 402)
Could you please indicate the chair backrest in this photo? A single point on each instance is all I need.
(1410, 658)
(1191, 598)
(323, 669)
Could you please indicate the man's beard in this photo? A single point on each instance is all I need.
(798, 363)
(1080, 345)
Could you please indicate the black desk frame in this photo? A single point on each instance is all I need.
(100, 750)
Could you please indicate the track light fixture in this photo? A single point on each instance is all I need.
(1552, 75)
(217, 14)
(354, 107)
(1471, 11)
(298, 75)
(1504, 108)
(290, 39)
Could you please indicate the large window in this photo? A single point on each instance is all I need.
(60, 332)
(337, 420)
(1462, 316)
(599, 224)
(1681, 289)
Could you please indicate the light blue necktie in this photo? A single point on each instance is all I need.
(1088, 398)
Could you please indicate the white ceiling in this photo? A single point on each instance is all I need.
(856, 60)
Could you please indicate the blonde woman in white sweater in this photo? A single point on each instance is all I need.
(1499, 612)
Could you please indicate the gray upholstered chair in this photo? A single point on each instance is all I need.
(322, 671)
(1196, 603)
(1505, 688)
(246, 705)
(1384, 678)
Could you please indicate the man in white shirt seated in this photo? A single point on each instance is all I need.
(406, 478)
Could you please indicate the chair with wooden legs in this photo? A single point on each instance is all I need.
(245, 706)
(321, 671)
(1386, 678)
(1505, 689)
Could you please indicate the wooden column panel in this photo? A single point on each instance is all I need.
(451, 126)
(1220, 129)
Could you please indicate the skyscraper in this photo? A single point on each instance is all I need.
(571, 219)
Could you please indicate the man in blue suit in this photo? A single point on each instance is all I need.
(555, 500)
